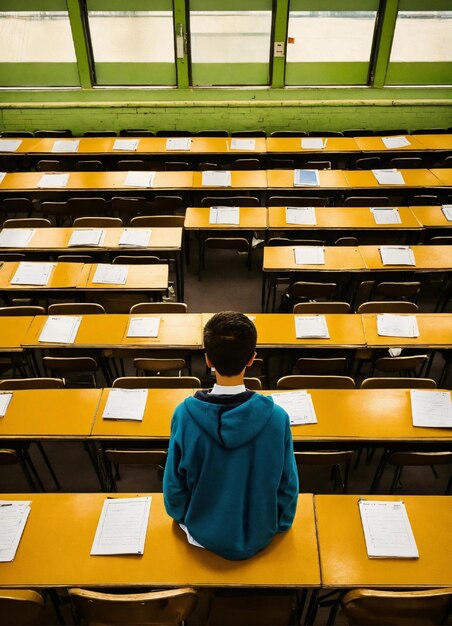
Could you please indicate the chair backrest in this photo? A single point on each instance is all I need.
(21, 606)
(325, 133)
(173, 133)
(401, 363)
(168, 203)
(125, 165)
(366, 201)
(211, 133)
(167, 608)
(143, 259)
(289, 133)
(441, 241)
(299, 201)
(176, 166)
(156, 366)
(318, 165)
(16, 133)
(320, 366)
(75, 258)
(97, 222)
(53, 133)
(397, 290)
(367, 163)
(407, 162)
(76, 308)
(158, 307)
(311, 290)
(27, 222)
(176, 221)
(346, 241)
(157, 382)
(248, 133)
(100, 133)
(247, 201)
(17, 311)
(414, 608)
(136, 132)
(358, 132)
(32, 383)
(50, 165)
(89, 165)
(246, 164)
(93, 206)
(424, 200)
(315, 382)
(398, 383)
(388, 306)
(321, 307)
(255, 384)
(391, 132)
(429, 131)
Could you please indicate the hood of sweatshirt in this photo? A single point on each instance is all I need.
(230, 424)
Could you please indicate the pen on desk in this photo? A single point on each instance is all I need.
(2, 505)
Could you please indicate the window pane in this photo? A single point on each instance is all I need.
(230, 47)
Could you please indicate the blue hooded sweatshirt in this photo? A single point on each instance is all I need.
(230, 475)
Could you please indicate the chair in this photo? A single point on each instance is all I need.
(280, 164)
(285, 241)
(414, 459)
(441, 241)
(325, 133)
(358, 132)
(123, 259)
(207, 167)
(53, 133)
(175, 221)
(126, 208)
(385, 608)
(239, 244)
(176, 166)
(289, 133)
(126, 165)
(17, 311)
(76, 308)
(388, 306)
(173, 133)
(154, 459)
(254, 384)
(58, 209)
(50, 165)
(100, 133)
(246, 201)
(16, 133)
(406, 162)
(154, 367)
(168, 204)
(136, 132)
(390, 364)
(158, 307)
(248, 133)
(366, 201)
(298, 201)
(398, 383)
(317, 165)
(75, 258)
(309, 291)
(391, 290)
(157, 382)
(429, 131)
(89, 165)
(118, 302)
(27, 222)
(32, 383)
(424, 200)
(20, 607)
(320, 366)
(391, 132)
(13, 206)
(167, 608)
(20, 457)
(246, 164)
(321, 307)
(315, 382)
(12, 256)
(74, 368)
(97, 222)
(87, 206)
(211, 133)
(367, 163)
(330, 458)
(347, 241)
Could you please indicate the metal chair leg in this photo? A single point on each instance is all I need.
(47, 462)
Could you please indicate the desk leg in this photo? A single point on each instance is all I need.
(263, 306)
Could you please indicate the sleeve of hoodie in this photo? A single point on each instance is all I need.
(175, 492)
(288, 487)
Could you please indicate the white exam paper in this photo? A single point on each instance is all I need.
(129, 145)
(86, 237)
(143, 327)
(311, 327)
(60, 329)
(306, 178)
(397, 255)
(387, 529)
(243, 144)
(178, 143)
(139, 179)
(66, 145)
(386, 215)
(224, 215)
(313, 143)
(388, 177)
(9, 145)
(110, 274)
(389, 325)
(13, 517)
(135, 237)
(5, 399)
(301, 215)
(50, 181)
(431, 408)
(16, 237)
(2, 176)
(399, 141)
(447, 210)
(298, 405)
(32, 274)
(216, 178)
(309, 255)
(125, 404)
(122, 526)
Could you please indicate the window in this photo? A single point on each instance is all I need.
(230, 42)
(133, 46)
(31, 40)
(329, 44)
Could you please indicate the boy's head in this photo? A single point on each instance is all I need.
(229, 342)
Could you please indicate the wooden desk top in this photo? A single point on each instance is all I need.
(55, 551)
(343, 556)
(437, 258)
(51, 413)
(58, 239)
(375, 144)
(277, 330)
(444, 175)
(13, 331)
(283, 179)
(142, 277)
(110, 331)
(278, 258)
(240, 179)
(435, 142)
(96, 180)
(293, 145)
(342, 218)
(388, 417)
(435, 331)
(431, 216)
(197, 218)
(412, 178)
(63, 276)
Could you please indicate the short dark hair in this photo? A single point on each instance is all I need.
(229, 341)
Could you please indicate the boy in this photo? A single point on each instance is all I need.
(230, 480)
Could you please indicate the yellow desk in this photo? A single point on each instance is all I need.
(343, 557)
(292, 145)
(443, 175)
(240, 179)
(375, 144)
(13, 331)
(343, 218)
(55, 551)
(435, 331)
(435, 142)
(110, 331)
(254, 218)
(427, 258)
(329, 179)
(412, 178)
(50, 413)
(431, 216)
(63, 276)
(337, 258)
